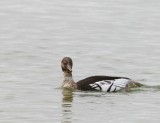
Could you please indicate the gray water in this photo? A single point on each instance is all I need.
(103, 37)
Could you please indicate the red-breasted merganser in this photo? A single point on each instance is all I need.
(94, 83)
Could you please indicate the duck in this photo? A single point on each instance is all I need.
(94, 83)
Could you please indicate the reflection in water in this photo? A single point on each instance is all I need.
(151, 88)
(66, 106)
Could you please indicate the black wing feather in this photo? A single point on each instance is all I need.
(84, 83)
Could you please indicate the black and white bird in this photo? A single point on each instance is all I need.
(94, 83)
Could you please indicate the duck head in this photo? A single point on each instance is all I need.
(66, 65)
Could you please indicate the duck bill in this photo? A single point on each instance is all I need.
(69, 68)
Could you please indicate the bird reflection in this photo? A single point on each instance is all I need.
(67, 106)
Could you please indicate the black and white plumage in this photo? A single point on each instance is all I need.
(106, 83)
(94, 83)
(111, 86)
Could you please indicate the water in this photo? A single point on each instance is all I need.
(103, 37)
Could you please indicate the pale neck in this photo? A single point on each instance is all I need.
(65, 74)
(68, 81)
(67, 78)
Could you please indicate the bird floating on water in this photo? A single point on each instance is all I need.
(94, 83)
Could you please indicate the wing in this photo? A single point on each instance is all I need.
(115, 85)
(86, 83)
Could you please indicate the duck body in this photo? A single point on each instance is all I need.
(94, 83)
(102, 83)
(106, 83)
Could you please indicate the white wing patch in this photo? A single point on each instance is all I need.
(111, 85)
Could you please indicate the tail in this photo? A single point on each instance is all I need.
(134, 84)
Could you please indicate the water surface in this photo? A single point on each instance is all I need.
(103, 37)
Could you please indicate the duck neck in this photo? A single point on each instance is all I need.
(67, 75)
(68, 81)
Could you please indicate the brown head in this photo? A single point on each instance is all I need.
(66, 64)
